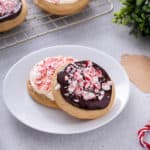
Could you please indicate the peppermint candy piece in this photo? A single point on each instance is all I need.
(141, 136)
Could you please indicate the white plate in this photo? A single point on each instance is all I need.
(48, 120)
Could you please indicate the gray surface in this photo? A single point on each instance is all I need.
(121, 133)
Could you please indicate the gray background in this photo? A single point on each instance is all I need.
(121, 133)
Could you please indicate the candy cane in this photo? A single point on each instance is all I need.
(141, 136)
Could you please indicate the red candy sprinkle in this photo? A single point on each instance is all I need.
(141, 136)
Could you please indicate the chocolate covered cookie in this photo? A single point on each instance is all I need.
(85, 91)
(12, 13)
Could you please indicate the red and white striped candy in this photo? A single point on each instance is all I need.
(141, 136)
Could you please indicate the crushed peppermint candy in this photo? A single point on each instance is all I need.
(88, 95)
(8, 6)
(85, 85)
(106, 85)
(76, 100)
(42, 73)
(84, 79)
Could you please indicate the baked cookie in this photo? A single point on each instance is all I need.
(62, 7)
(41, 78)
(84, 90)
(12, 13)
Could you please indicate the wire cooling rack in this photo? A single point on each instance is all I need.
(39, 23)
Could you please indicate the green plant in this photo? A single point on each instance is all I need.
(136, 14)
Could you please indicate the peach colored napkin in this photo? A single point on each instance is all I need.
(138, 69)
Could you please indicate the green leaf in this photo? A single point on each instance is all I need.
(146, 9)
(136, 14)
(139, 2)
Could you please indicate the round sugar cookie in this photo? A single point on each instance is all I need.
(62, 7)
(85, 90)
(41, 79)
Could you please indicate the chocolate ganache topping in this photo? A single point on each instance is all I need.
(9, 9)
(86, 85)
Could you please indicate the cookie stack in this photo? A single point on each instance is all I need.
(82, 89)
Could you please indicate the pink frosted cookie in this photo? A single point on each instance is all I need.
(84, 90)
(41, 79)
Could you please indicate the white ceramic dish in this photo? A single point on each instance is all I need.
(54, 121)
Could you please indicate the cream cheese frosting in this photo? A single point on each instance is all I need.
(62, 1)
(42, 74)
